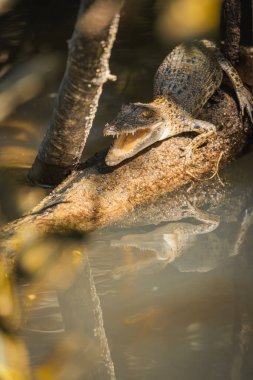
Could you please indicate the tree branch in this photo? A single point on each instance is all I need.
(232, 19)
(86, 71)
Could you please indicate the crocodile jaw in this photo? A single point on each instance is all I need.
(163, 245)
(128, 144)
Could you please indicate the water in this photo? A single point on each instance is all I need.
(166, 293)
(186, 317)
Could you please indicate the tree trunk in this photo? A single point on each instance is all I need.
(232, 20)
(86, 71)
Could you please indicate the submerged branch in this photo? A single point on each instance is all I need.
(86, 71)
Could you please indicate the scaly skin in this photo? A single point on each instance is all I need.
(184, 82)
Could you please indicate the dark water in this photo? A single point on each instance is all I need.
(165, 294)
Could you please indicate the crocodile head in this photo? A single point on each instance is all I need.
(135, 127)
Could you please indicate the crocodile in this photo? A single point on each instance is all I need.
(183, 83)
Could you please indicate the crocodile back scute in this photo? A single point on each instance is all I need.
(190, 74)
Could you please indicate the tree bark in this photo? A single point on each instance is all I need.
(86, 71)
(232, 20)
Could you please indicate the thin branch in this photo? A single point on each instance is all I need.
(216, 172)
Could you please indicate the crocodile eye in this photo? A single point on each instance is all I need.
(147, 114)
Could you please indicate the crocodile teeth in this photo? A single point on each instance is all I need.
(114, 134)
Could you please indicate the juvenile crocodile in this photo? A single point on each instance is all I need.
(184, 82)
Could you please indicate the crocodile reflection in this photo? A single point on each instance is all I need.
(190, 247)
(166, 242)
(195, 229)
